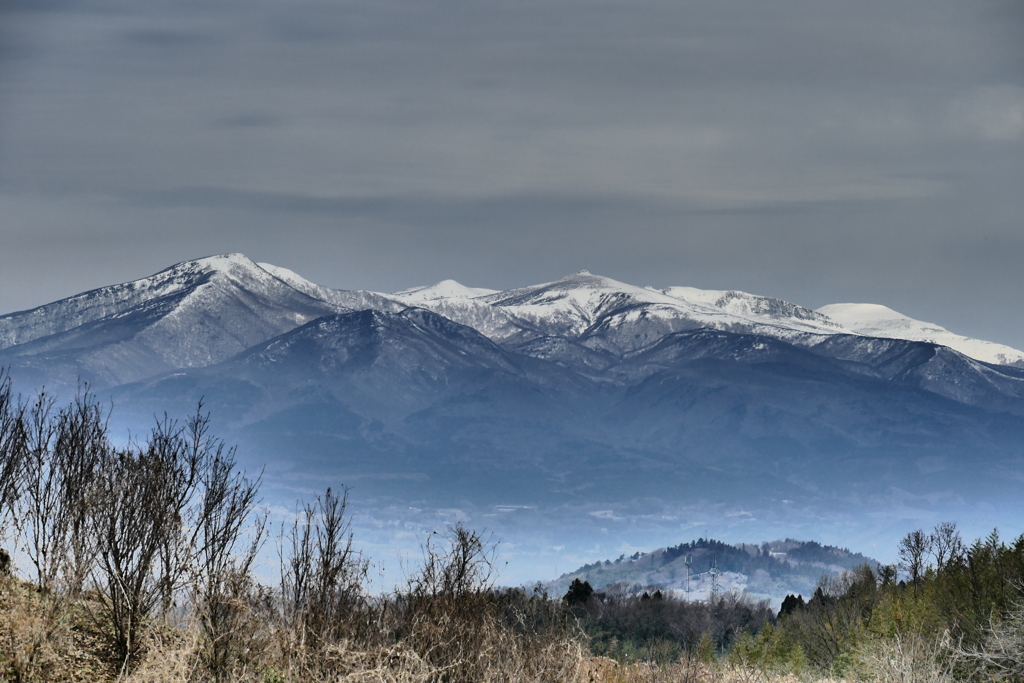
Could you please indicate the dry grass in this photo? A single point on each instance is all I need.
(44, 637)
(349, 662)
(50, 638)
(604, 670)
(909, 659)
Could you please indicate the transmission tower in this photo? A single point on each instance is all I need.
(714, 573)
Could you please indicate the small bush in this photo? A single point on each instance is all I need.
(906, 659)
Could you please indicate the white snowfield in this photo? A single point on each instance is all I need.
(757, 307)
(605, 313)
(236, 303)
(582, 302)
(874, 320)
(445, 289)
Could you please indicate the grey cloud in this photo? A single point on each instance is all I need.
(252, 120)
(813, 150)
(164, 38)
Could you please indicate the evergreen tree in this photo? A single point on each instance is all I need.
(579, 593)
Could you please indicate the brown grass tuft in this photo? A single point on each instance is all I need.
(46, 637)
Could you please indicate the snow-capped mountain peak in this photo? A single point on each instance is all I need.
(236, 267)
(574, 304)
(192, 314)
(445, 289)
(80, 309)
(875, 320)
(873, 316)
(582, 289)
(203, 311)
(617, 316)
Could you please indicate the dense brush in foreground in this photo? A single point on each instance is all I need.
(51, 638)
(478, 636)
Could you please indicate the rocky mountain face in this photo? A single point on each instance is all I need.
(584, 404)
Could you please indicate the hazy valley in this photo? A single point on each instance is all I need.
(578, 420)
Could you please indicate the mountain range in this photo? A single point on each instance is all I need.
(573, 417)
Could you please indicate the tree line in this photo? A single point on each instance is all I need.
(948, 610)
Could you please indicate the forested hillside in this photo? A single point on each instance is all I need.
(769, 570)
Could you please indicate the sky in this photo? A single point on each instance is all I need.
(820, 151)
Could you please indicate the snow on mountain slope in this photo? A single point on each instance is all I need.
(357, 300)
(445, 289)
(24, 326)
(203, 311)
(194, 313)
(572, 305)
(463, 305)
(60, 316)
(874, 320)
(762, 308)
(611, 316)
(295, 280)
(615, 317)
(386, 364)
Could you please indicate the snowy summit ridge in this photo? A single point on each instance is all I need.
(875, 320)
(579, 303)
(445, 289)
(204, 311)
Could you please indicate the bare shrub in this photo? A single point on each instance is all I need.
(165, 506)
(445, 612)
(913, 658)
(41, 491)
(80, 446)
(913, 552)
(64, 450)
(132, 525)
(1001, 653)
(321, 582)
(222, 585)
(458, 564)
(451, 615)
(183, 455)
(13, 449)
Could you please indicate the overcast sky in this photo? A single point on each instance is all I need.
(815, 150)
